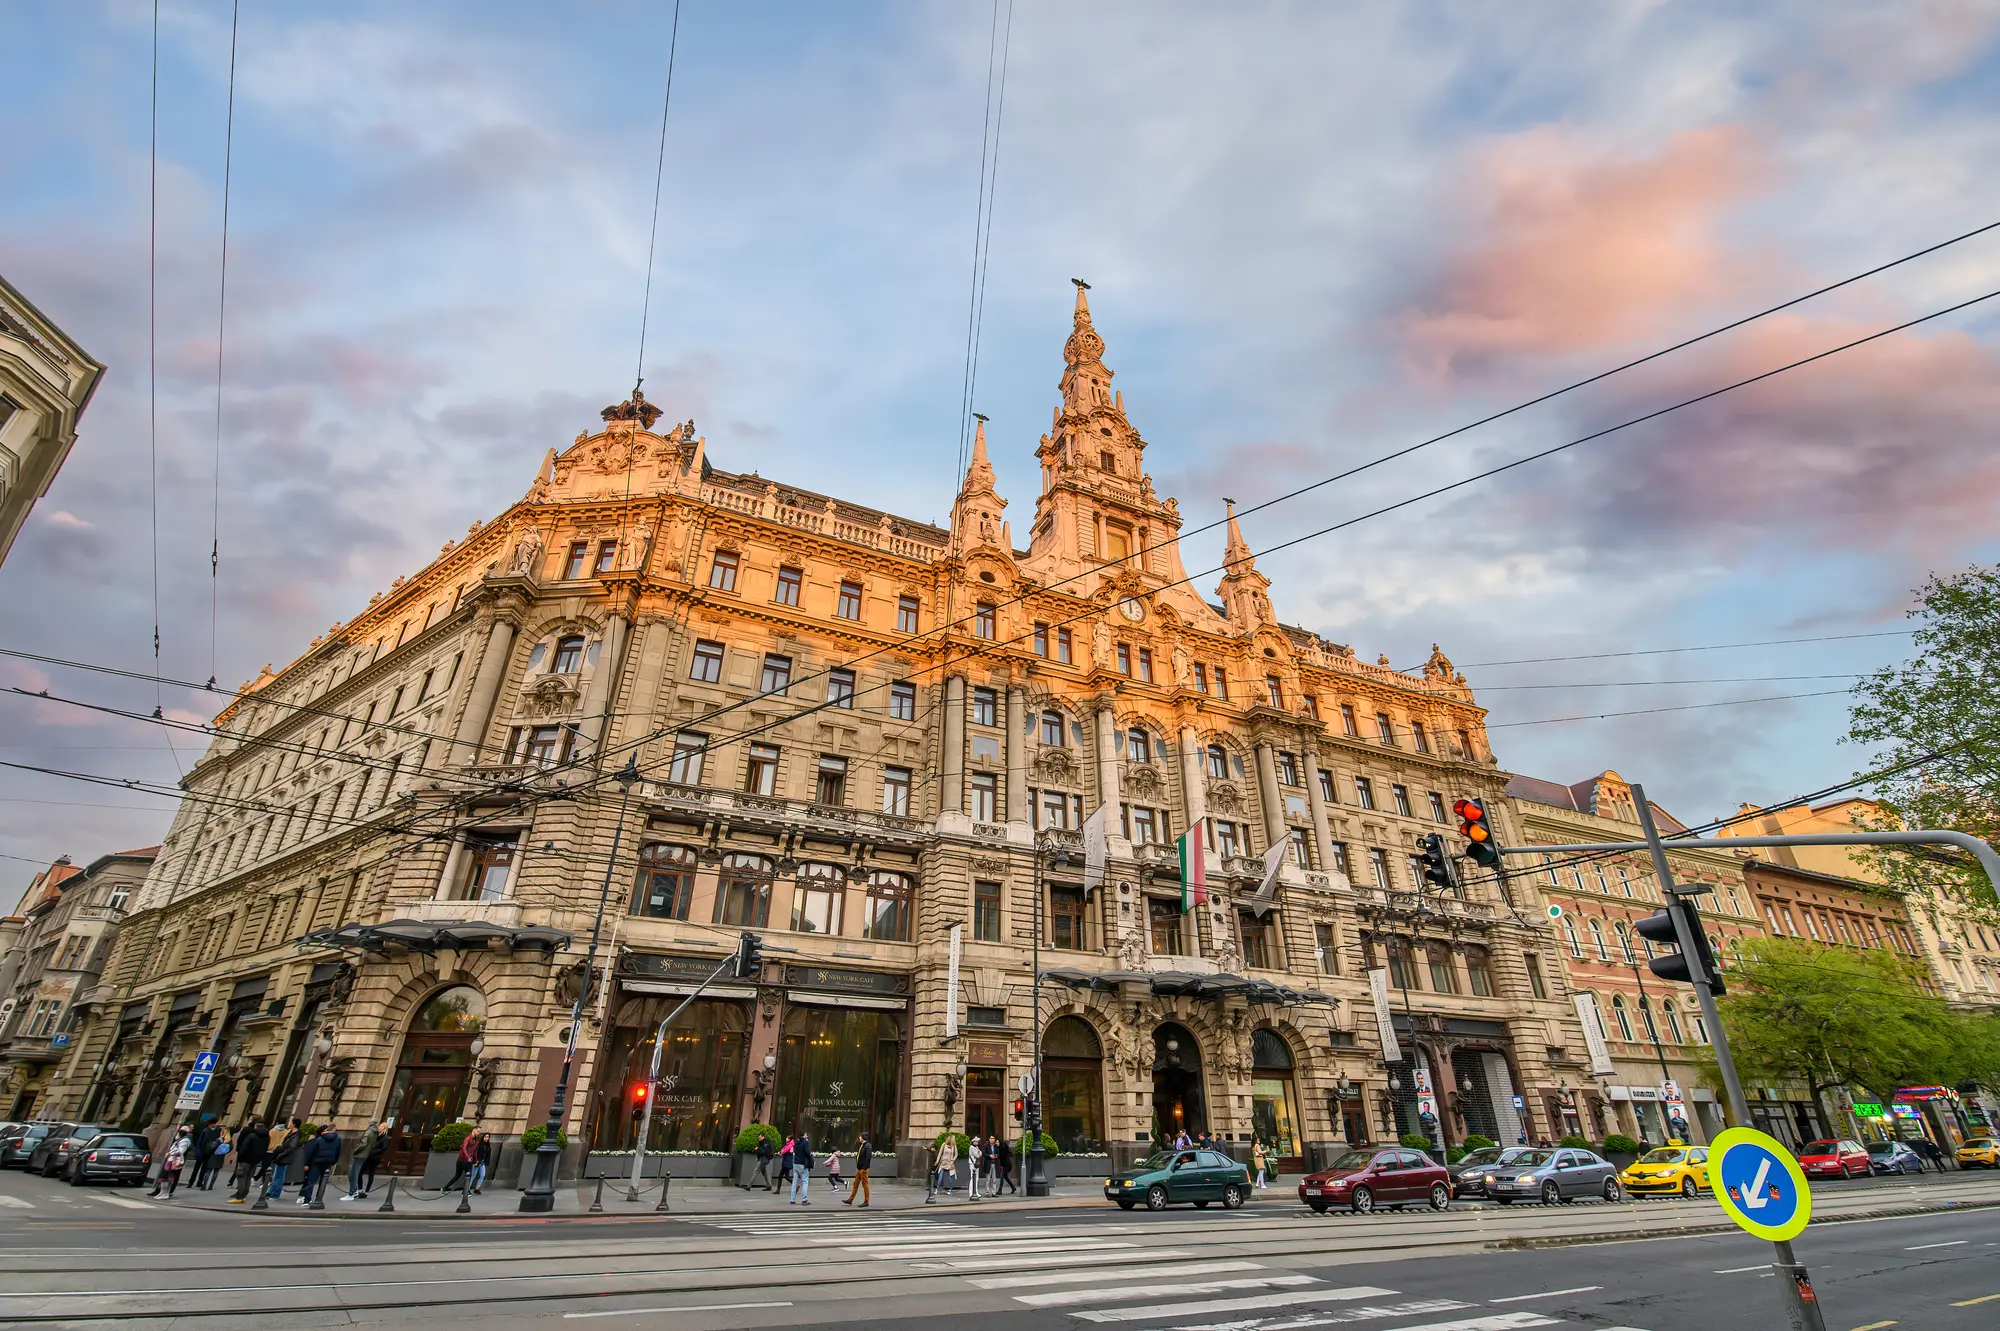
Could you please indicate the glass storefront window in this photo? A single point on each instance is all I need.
(701, 1077)
(1274, 1113)
(1073, 1075)
(837, 1076)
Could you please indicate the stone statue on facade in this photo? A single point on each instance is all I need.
(1100, 646)
(1132, 952)
(527, 554)
(635, 408)
(1183, 670)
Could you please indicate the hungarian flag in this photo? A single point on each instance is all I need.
(1194, 865)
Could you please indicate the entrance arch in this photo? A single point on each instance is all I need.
(1073, 1090)
(432, 1074)
(1178, 1103)
(1274, 1098)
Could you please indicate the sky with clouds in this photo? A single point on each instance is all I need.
(1316, 234)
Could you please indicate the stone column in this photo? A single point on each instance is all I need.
(1017, 754)
(596, 698)
(1322, 829)
(951, 784)
(1194, 786)
(1267, 793)
(478, 715)
(1108, 793)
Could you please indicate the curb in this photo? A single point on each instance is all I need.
(1525, 1244)
(511, 1215)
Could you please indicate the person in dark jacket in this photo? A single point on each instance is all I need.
(1005, 1164)
(253, 1148)
(321, 1154)
(766, 1153)
(370, 1136)
(802, 1168)
(203, 1150)
(284, 1157)
(863, 1158)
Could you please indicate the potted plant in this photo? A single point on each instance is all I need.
(1416, 1141)
(443, 1161)
(746, 1150)
(1621, 1150)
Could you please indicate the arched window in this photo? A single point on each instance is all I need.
(743, 895)
(1603, 885)
(817, 897)
(1073, 1078)
(459, 1010)
(1052, 729)
(1575, 943)
(1646, 1016)
(569, 655)
(665, 885)
(1623, 1019)
(889, 909)
(1597, 940)
(1139, 745)
(1269, 1050)
(1218, 762)
(1673, 1021)
(1625, 944)
(1548, 870)
(1274, 1092)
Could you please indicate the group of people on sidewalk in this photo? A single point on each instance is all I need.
(794, 1163)
(265, 1157)
(989, 1164)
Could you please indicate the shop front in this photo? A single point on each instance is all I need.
(1274, 1099)
(697, 1100)
(840, 1059)
(1073, 1077)
(432, 1075)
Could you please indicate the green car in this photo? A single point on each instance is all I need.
(1194, 1176)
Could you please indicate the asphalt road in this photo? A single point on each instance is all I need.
(96, 1258)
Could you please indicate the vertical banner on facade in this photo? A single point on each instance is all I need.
(1096, 847)
(1267, 890)
(951, 985)
(1674, 1108)
(1194, 866)
(1385, 1025)
(1593, 1034)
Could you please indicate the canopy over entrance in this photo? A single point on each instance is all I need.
(1171, 983)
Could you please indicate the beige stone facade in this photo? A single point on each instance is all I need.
(874, 742)
(46, 381)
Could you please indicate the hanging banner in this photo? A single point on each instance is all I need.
(951, 985)
(1096, 848)
(1593, 1034)
(1674, 1108)
(1385, 1025)
(1267, 890)
(1427, 1105)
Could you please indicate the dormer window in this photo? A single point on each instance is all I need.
(1108, 461)
(569, 655)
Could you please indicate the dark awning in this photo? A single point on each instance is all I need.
(1188, 982)
(422, 936)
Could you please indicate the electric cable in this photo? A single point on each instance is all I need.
(1665, 651)
(659, 177)
(1684, 707)
(221, 326)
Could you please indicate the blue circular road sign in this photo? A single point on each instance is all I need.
(1758, 1183)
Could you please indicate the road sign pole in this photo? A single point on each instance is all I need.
(1801, 1304)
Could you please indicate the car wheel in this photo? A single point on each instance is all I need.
(1440, 1197)
(1156, 1198)
(1126, 1203)
(1232, 1197)
(76, 1178)
(1551, 1194)
(1364, 1200)
(1318, 1208)
(1688, 1188)
(1612, 1192)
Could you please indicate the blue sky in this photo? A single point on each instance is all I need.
(1315, 234)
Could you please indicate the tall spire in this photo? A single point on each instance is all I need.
(1245, 592)
(1086, 381)
(979, 478)
(976, 515)
(1236, 550)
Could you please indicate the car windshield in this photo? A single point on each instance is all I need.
(1820, 1148)
(1532, 1159)
(1666, 1155)
(1485, 1155)
(32, 1133)
(1980, 1143)
(1354, 1160)
(118, 1141)
(1881, 1148)
(1157, 1160)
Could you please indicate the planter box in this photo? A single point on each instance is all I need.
(1622, 1159)
(680, 1166)
(439, 1168)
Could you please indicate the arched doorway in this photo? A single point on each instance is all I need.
(1274, 1098)
(1178, 1104)
(1073, 1085)
(432, 1074)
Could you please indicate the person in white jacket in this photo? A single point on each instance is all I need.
(972, 1170)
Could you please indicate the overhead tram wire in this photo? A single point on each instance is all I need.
(153, 367)
(221, 326)
(1685, 707)
(982, 228)
(659, 179)
(1668, 651)
(1661, 683)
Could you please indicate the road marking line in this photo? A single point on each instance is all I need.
(1151, 1311)
(1501, 1322)
(948, 1249)
(1068, 1259)
(1546, 1294)
(1984, 1298)
(1113, 1273)
(967, 1235)
(1954, 1243)
(20, 1202)
(1062, 1296)
(701, 1308)
(1876, 1326)
(126, 1202)
(1739, 1270)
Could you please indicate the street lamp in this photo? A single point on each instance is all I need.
(1037, 1183)
(540, 1194)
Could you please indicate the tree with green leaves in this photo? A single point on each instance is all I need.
(1833, 1017)
(1934, 714)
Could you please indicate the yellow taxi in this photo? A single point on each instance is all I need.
(1676, 1168)
(1979, 1152)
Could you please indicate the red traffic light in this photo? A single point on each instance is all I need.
(639, 1094)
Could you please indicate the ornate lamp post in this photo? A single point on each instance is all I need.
(760, 1086)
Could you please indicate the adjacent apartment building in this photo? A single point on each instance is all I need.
(46, 381)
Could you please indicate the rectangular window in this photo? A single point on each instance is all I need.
(1066, 918)
(903, 701)
(1055, 809)
(1259, 947)
(1218, 762)
(579, 559)
(986, 912)
(1465, 744)
(985, 621)
(424, 686)
(1140, 746)
(985, 796)
(1402, 966)
(839, 685)
(489, 861)
(1227, 840)
(1201, 678)
(1340, 860)
(1402, 797)
(1535, 982)
(1052, 729)
(1329, 955)
(1326, 787)
(665, 887)
(1163, 917)
(1378, 863)
(849, 604)
(985, 707)
(896, 791)
(607, 555)
(777, 676)
(1041, 639)
(906, 614)
(888, 915)
(1437, 807)
(689, 750)
(1364, 792)
(722, 571)
(789, 582)
(1310, 706)
(1145, 828)
(1384, 729)
(1418, 737)
(1444, 975)
(761, 777)
(544, 746)
(831, 788)
(1288, 769)
(1124, 659)
(1221, 684)
(985, 1016)
(1145, 665)
(1274, 690)
(1062, 647)
(395, 702)
(1347, 720)
(743, 898)
(816, 906)
(707, 665)
(1479, 971)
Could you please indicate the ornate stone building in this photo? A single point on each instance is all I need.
(875, 742)
(46, 380)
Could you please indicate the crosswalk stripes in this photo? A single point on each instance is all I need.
(20, 1202)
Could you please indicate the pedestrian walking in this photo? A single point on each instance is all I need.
(1004, 1166)
(1930, 1151)
(370, 1135)
(765, 1154)
(205, 1135)
(802, 1169)
(321, 1154)
(253, 1151)
(285, 1156)
(833, 1170)
(468, 1156)
(785, 1165)
(482, 1159)
(218, 1158)
(173, 1162)
(947, 1164)
(864, 1156)
(1258, 1159)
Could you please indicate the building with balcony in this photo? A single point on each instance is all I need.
(655, 704)
(46, 381)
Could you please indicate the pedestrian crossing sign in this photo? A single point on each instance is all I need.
(1759, 1185)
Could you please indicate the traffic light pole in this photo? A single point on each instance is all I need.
(653, 1077)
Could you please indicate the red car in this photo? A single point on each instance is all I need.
(1835, 1156)
(1381, 1176)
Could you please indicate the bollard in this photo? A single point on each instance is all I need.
(464, 1198)
(263, 1202)
(666, 1181)
(319, 1197)
(389, 1201)
(597, 1202)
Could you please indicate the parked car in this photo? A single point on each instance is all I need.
(17, 1147)
(1835, 1157)
(1194, 1176)
(1668, 1169)
(1979, 1153)
(1468, 1176)
(1894, 1158)
(54, 1150)
(1371, 1178)
(115, 1157)
(1560, 1174)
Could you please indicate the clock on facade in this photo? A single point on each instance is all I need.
(1131, 609)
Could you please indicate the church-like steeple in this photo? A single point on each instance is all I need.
(976, 514)
(1244, 591)
(1086, 381)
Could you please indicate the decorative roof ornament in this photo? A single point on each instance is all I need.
(1084, 346)
(635, 408)
(1439, 666)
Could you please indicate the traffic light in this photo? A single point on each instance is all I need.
(1663, 929)
(639, 1100)
(1020, 1109)
(1477, 831)
(749, 957)
(1436, 863)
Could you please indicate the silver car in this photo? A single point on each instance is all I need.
(1468, 1176)
(1551, 1175)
